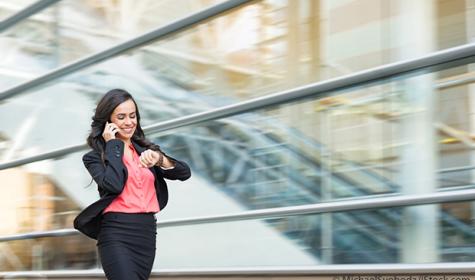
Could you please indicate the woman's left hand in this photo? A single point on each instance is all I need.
(149, 158)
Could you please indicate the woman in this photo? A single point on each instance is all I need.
(129, 171)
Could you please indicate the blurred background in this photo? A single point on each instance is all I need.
(401, 135)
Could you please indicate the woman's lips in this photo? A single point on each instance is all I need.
(128, 130)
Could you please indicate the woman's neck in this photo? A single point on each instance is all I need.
(126, 141)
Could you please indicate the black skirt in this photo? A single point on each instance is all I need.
(126, 245)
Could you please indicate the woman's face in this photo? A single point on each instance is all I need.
(124, 116)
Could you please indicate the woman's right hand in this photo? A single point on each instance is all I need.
(109, 131)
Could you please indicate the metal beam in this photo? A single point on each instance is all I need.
(161, 32)
(457, 169)
(323, 270)
(25, 13)
(434, 61)
(55, 154)
(377, 202)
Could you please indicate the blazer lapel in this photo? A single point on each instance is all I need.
(138, 148)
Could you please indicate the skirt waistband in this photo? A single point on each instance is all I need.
(130, 217)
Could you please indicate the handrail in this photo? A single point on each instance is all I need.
(43, 156)
(342, 205)
(457, 169)
(335, 269)
(161, 32)
(25, 13)
(322, 88)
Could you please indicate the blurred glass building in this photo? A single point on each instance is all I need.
(319, 132)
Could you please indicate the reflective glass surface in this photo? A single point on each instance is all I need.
(10, 8)
(411, 134)
(354, 237)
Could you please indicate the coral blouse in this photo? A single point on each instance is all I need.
(138, 195)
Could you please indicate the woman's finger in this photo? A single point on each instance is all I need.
(155, 156)
(146, 160)
(109, 131)
(145, 156)
(150, 157)
(142, 161)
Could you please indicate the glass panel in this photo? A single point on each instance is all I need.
(365, 141)
(45, 195)
(30, 47)
(407, 135)
(50, 194)
(355, 237)
(49, 253)
(455, 125)
(282, 44)
(458, 232)
(70, 30)
(9, 8)
(167, 84)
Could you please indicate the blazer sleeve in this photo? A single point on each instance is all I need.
(111, 175)
(181, 171)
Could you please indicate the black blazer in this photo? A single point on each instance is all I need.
(111, 176)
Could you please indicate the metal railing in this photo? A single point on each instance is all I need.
(434, 61)
(467, 268)
(318, 208)
(25, 13)
(430, 62)
(161, 32)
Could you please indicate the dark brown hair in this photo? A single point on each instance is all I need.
(103, 112)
